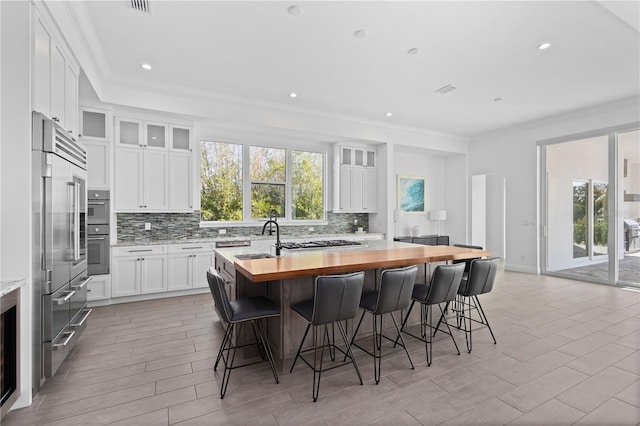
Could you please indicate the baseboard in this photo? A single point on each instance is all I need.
(150, 296)
(521, 268)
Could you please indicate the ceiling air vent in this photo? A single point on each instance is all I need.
(446, 89)
(141, 5)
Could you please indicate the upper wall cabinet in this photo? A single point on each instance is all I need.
(55, 76)
(95, 124)
(354, 180)
(153, 167)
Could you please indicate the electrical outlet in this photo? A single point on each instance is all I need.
(311, 229)
(222, 231)
(147, 226)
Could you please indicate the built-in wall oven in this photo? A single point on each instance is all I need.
(98, 242)
(59, 222)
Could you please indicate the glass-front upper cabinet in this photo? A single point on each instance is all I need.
(180, 138)
(129, 132)
(94, 124)
(156, 135)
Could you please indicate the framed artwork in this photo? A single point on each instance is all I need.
(412, 194)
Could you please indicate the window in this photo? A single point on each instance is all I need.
(288, 182)
(307, 182)
(268, 179)
(220, 181)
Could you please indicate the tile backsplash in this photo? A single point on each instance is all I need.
(185, 226)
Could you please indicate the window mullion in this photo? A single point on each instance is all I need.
(288, 200)
(246, 184)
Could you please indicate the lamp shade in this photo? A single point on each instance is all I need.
(439, 215)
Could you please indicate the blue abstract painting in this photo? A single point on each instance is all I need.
(412, 194)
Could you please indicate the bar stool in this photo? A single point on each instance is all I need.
(237, 313)
(443, 288)
(396, 286)
(336, 299)
(482, 275)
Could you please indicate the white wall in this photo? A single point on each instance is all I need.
(414, 162)
(513, 153)
(455, 199)
(479, 210)
(15, 194)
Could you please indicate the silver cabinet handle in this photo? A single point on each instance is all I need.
(96, 203)
(138, 251)
(95, 238)
(191, 248)
(65, 342)
(65, 299)
(80, 323)
(84, 283)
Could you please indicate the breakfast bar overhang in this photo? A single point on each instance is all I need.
(289, 279)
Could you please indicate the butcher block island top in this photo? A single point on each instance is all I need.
(372, 255)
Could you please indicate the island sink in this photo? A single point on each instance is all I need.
(252, 256)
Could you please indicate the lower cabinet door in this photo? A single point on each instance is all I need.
(154, 274)
(179, 271)
(201, 264)
(126, 276)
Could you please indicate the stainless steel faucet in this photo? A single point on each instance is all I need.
(278, 245)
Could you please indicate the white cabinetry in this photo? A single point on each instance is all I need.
(154, 163)
(55, 75)
(354, 180)
(98, 160)
(139, 270)
(99, 288)
(94, 134)
(188, 265)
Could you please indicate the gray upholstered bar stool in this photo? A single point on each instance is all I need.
(396, 287)
(482, 275)
(237, 313)
(336, 299)
(443, 288)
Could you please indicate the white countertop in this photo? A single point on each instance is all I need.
(7, 287)
(269, 247)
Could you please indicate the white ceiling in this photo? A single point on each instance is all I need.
(487, 50)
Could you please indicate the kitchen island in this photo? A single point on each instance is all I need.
(289, 278)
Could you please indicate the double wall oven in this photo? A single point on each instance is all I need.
(59, 198)
(98, 245)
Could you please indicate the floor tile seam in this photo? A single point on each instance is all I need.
(622, 400)
(409, 414)
(163, 327)
(99, 368)
(141, 341)
(79, 356)
(89, 373)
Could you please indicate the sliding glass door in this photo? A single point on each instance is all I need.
(591, 206)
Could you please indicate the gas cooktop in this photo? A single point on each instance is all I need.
(319, 244)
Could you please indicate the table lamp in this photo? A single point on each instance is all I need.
(438, 216)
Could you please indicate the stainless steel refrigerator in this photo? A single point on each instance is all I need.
(59, 261)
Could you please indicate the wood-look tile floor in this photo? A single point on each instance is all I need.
(568, 352)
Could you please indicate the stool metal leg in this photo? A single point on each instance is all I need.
(377, 348)
(404, 321)
(228, 366)
(404, 345)
(227, 332)
(267, 350)
(263, 355)
(300, 348)
(486, 321)
(317, 371)
(353, 360)
(428, 343)
(355, 333)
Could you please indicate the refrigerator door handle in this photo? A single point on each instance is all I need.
(76, 220)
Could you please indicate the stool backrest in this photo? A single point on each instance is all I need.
(445, 283)
(216, 285)
(481, 277)
(396, 286)
(336, 297)
(467, 262)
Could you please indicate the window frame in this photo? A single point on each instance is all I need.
(246, 186)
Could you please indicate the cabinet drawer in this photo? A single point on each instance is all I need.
(190, 248)
(99, 287)
(138, 250)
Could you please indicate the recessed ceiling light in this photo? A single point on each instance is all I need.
(389, 114)
(360, 33)
(497, 100)
(293, 95)
(413, 51)
(146, 66)
(544, 46)
(295, 10)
